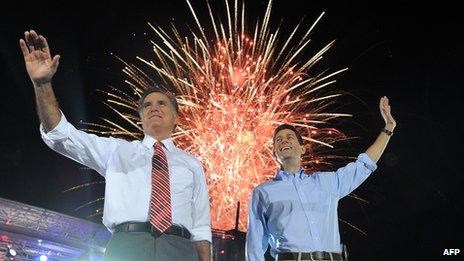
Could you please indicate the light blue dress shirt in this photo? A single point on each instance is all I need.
(298, 213)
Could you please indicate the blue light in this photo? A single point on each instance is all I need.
(43, 258)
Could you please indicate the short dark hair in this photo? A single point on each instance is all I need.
(160, 89)
(286, 126)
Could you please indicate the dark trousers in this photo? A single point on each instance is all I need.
(142, 246)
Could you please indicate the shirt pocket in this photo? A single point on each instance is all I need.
(181, 180)
(318, 202)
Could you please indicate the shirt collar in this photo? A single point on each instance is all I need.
(284, 175)
(148, 141)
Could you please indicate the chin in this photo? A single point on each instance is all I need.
(287, 154)
(155, 124)
(149, 127)
(289, 157)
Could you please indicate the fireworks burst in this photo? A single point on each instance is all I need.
(235, 85)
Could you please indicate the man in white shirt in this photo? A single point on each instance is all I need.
(156, 198)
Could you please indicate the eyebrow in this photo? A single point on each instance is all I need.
(288, 134)
(158, 101)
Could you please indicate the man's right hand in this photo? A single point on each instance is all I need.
(39, 64)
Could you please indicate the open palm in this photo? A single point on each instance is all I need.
(39, 64)
(385, 111)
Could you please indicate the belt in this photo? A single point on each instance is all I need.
(311, 256)
(147, 227)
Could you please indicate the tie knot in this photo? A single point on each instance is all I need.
(158, 148)
(158, 144)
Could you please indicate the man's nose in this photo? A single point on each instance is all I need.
(155, 108)
(150, 110)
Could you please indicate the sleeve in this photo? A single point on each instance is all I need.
(88, 149)
(257, 238)
(201, 229)
(346, 179)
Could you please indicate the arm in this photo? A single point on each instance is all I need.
(58, 134)
(41, 69)
(257, 237)
(201, 230)
(348, 178)
(87, 149)
(204, 250)
(376, 150)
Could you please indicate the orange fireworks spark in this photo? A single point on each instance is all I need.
(234, 89)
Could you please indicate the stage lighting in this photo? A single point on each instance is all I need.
(43, 258)
(11, 252)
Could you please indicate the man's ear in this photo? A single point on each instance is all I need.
(303, 149)
(275, 157)
(176, 121)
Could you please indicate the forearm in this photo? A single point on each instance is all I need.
(47, 106)
(376, 150)
(204, 250)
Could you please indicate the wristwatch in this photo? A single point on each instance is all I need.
(389, 133)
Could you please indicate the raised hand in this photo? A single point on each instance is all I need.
(39, 64)
(385, 110)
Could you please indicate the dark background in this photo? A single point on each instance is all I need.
(406, 50)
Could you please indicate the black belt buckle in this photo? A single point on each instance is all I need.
(154, 231)
(317, 255)
(185, 233)
(179, 231)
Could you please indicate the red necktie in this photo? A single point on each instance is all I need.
(160, 203)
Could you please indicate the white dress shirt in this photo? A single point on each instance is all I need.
(126, 167)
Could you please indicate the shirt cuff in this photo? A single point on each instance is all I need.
(202, 234)
(57, 134)
(367, 161)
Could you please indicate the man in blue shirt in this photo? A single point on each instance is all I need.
(296, 213)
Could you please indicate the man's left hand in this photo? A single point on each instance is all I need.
(385, 110)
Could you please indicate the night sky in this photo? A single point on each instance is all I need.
(405, 50)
